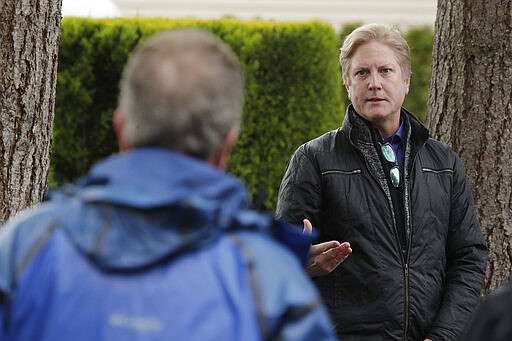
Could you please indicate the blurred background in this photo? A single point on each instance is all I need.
(402, 13)
(294, 88)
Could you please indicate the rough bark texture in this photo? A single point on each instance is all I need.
(29, 40)
(470, 108)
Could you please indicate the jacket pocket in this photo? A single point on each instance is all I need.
(437, 171)
(344, 194)
(346, 202)
(438, 182)
(432, 201)
(341, 172)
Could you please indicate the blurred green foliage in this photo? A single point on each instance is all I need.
(421, 41)
(292, 92)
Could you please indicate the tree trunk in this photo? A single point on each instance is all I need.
(470, 108)
(29, 40)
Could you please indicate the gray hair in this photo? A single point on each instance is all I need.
(181, 90)
(385, 34)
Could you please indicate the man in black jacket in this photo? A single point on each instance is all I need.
(399, 198)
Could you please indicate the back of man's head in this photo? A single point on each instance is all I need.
(181, 90)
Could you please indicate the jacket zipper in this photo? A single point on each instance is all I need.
(409, 242)
(405, 265)
(406, 275)
(404, 258)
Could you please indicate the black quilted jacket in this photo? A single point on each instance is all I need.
(380, 292)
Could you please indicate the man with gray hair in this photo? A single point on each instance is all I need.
(158, 243)
(400, 198)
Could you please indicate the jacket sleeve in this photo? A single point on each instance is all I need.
(21, 238)
(466, 253)
(300, 194)
(288, 305)
(491, 321)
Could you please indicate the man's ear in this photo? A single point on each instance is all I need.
(119, 122)
(220, 158)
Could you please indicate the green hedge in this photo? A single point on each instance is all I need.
(421, 41)
(293, 92)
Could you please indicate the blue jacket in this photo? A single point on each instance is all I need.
(154, 245)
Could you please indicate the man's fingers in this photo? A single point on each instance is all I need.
(324, 262)
(318, 249)
(339, 254)
(308, 227)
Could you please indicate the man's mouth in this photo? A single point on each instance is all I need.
(375, 99)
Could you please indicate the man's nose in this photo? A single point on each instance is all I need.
(374, 81)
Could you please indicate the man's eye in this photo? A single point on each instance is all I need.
(386, 70)
(361, 73)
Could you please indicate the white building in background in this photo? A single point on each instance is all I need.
(90, 8)
(403, 13)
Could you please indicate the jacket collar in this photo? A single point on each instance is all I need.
(137, 208)
(154, 177)
(360, 136)
(359, 129)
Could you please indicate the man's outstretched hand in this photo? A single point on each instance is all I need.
(325, 257)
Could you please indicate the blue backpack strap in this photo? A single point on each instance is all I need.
(287, 304)
(255, 284)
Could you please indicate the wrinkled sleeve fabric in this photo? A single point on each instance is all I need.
(466, 253)
(491, 321)
(300, 193)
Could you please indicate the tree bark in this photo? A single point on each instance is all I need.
(470, 108)
(29, 40)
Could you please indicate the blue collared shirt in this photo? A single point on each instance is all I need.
(396, 143)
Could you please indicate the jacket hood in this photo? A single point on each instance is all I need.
(147, 205)
(148, 178)
(137, 208)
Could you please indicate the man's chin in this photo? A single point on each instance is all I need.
(375, 115)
